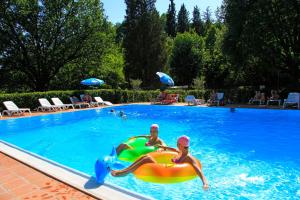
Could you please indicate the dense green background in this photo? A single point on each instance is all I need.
(53, 45)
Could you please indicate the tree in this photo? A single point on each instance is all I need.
(211, 39)
(38, 38)
(220, 14)
(186, 59)
(183, 20)
(197, 23)
(106, 64)
(207, 18)
(263, 40)
(216, 68)
(171, 20)
(144, 42)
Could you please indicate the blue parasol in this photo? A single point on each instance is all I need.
(92, 82)
(165, 79)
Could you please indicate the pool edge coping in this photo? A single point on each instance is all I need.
(69, 176)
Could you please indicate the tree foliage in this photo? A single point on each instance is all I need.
(197, 23)
(263, 41)
(186, 58)
(144, 42)
(107, 64)
(183, 20)
(38, 38)
(171, 20)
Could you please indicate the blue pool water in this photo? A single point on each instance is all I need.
(247, 154)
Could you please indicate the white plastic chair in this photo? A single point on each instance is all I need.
(12, 108)
(46, 106)
(220, 97)
(100, 100)
(190, 99)
(292, 99)
(58, 102)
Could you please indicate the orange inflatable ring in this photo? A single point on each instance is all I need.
(164, 170)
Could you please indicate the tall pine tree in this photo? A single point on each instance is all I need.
(171, 20)
(197, 23)
(183, 20)
(143, 42)
(207, 19)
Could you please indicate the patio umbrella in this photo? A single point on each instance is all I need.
(92, 82)
(165, 79)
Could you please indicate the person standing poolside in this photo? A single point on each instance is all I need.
(183, 157)
(153, 139)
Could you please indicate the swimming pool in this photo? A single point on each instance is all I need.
(247, 154)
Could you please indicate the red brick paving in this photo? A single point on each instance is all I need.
(21, 182)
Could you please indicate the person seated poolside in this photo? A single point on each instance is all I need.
(87, 98)
(183, 157)
(163, 95)
(257, 97)
(153, 139)
(274, 95)
(213, 97)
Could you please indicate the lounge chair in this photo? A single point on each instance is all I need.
(90, 101)
(292, 99)
(274, 98)
(219, 98)
(46, 106)
(58, 102)
(163, 95)
(170, 99)
(191, 100)
(12, 108)
(259, 98)
(76, 102)
(100, 100)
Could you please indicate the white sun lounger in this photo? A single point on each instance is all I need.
(46, 106)
(12, 108)
(191, 100)
(292, 99)
(100, 100)
(58, 102)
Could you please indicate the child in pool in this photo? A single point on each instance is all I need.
(183, 157)
(153, 139)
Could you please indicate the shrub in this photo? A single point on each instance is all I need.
(135, 84)
(30, 100)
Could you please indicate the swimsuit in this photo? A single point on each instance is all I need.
(175, 160)
(148, 144)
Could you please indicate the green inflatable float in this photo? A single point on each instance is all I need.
(138, 148)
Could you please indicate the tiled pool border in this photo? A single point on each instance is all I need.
(72, 177)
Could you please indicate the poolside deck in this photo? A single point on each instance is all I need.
(19, 181)
(36, 113)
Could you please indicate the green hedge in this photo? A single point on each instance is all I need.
(30, 100)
